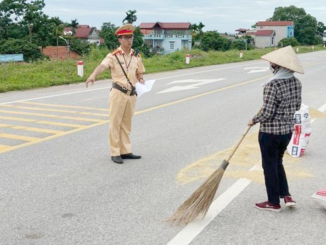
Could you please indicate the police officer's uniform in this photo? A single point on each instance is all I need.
(123, 96)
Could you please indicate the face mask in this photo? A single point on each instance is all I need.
(273, 67)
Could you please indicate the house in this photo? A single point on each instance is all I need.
(264, 38)
(241, 32)
(84, 32)
(269, 33)
(166, 37)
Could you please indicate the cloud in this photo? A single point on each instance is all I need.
(222, 15)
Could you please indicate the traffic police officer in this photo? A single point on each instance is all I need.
(126, 69)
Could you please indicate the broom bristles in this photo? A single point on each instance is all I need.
(199, 202)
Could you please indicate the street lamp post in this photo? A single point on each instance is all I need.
(30, 28)
(68, 47)
(246, 43)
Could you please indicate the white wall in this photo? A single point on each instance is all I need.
(262, 41)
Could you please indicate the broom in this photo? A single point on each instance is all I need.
(199, 202)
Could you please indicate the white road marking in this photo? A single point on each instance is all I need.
(107, 87)
(201, 81)
(257, 69)
(256, 168)
(55, 95)
(196, 83)
(322, 108)
(187, 234)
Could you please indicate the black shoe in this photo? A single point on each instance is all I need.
(117, 159)
(129, 156)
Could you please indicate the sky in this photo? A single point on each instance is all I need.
(220, 15)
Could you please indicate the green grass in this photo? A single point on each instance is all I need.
(23, 76)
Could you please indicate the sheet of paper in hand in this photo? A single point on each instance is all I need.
(143, 88)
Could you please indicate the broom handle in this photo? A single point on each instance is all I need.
(236, 147)
(244, 135)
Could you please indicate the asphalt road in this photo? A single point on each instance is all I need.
(59, 186)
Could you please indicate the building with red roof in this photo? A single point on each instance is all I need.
(270, 33)
(84, 32)
(241, 31)
(167, 37)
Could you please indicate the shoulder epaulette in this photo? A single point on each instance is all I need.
(137, 53)
(117, 51)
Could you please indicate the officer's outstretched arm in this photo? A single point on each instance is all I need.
(98, 70)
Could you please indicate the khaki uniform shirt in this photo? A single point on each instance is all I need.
(132, 65)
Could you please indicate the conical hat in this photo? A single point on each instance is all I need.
(286, 58)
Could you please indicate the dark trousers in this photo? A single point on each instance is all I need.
(272, 150)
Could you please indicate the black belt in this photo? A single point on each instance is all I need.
(124, 90)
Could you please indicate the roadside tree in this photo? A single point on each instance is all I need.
(30, 51)
(212, 40)
(307, 29)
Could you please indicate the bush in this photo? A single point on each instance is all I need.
(97, 53)
(30, 51)
(144, 50)
(238, 44)
(288, 41)
(80, 47)
(212, 40)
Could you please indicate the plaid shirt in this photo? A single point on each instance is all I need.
(282, 98)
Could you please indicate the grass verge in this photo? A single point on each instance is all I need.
(23, 76)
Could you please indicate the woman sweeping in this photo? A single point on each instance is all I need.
(281, 98)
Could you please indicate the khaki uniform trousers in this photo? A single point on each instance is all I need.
(121, 110)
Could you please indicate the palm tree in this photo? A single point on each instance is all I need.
(130, 18)
(200, 28)
(74, 24)
(58, 29)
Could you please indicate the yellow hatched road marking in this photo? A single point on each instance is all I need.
(136, 113)
(18, 119)
(69, 125)
(56, 110)
(51, 116)
(42, 122)
(52, 137)
(41, 130)
(64, 106)
(4, 147)
(18, 137)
